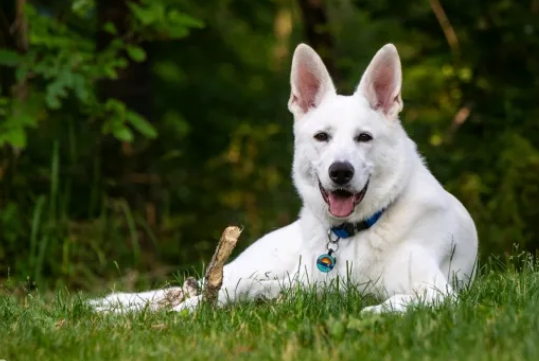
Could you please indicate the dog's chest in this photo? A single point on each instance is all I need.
(355, 260)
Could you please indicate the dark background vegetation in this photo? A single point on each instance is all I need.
(133, 132)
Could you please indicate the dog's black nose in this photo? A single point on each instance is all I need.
(341, 172)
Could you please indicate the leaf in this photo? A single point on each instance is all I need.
(16, 137)
(81, 7)
(123, 133)
(110, 28)
(178, 24)
(115, 106)
(141, 124)
(176, 124)
(179, 18)
(177, 32)
(9, 58)
(110, 73)
(55, 91)
(136, 53)
(80, 87)
(23, 119)
(147, 15)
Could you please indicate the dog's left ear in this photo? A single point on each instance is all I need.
(381, 82)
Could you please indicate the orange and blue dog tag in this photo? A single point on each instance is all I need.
(325, 263)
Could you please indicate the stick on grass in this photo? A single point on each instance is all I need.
(214, 274)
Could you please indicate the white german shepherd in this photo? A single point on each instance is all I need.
(372, 211)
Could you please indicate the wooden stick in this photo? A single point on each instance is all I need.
(213, 279)
(214, 273)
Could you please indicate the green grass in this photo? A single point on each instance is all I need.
(497, 319)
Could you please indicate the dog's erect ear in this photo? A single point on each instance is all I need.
(309, 79)
(381, 82)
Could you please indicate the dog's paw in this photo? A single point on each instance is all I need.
(189, 305)
(394, 304)
(374, 310)
(384, 308)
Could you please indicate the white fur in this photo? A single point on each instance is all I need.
(423, 242)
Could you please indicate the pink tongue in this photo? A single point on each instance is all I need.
(340, 206)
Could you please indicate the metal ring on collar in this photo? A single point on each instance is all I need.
(331, 249)
(334, 241)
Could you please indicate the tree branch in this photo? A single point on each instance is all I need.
(460, 117)
(446, 26)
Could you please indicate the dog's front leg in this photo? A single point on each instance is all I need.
(412, 277)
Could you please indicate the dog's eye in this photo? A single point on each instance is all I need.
(321, 137)
(364, 137)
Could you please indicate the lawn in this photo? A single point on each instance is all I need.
(497, 318)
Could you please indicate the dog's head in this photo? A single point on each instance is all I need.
(347, 160)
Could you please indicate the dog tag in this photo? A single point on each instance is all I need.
(325, 263)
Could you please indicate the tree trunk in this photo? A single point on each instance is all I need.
(120, 163)
(317, 32)
(7, 41)
(133, 85)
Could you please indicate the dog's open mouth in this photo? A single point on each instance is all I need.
(342, 202)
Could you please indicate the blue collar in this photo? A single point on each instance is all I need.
(347, 230)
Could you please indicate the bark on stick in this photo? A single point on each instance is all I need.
(214, 274)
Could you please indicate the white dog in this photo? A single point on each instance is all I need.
(372, 211)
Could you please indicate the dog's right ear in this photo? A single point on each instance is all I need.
(310, 81)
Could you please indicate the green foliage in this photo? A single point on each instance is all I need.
(62, 64)
(57, 87)
(154, 19)
(130, 142)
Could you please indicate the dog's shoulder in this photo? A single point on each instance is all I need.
(425, 203)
